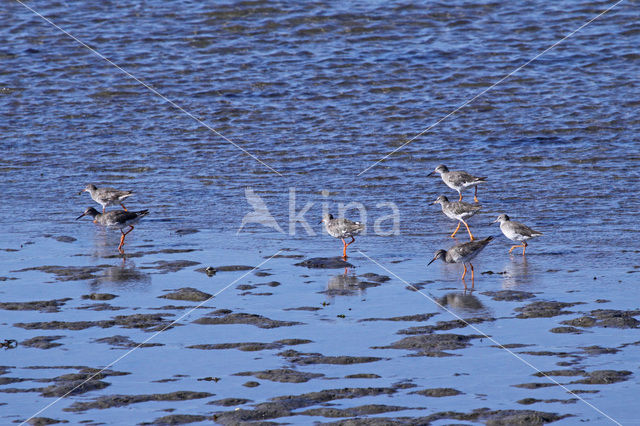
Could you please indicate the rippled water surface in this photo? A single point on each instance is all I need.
(204, 109)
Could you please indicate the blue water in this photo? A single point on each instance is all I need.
(319, 92)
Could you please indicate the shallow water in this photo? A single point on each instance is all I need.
(319, 92)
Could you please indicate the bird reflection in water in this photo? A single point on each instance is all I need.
(516, 273)
(464, 301)
(126, 275)
(346, 284)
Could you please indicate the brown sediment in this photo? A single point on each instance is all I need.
(529, 401)
(508, 295)
(101, 307)
(564, 373)
(166, 266)
(432, 345)
(86, 380)
(303, 308)
(68, 273)
(363, 376)
(251, 346)
(245, 287)
(534, 385)
(42, 342)
(544, 309)
(99, 296)
(187, 293)
(251, 384)
(230, 268)
(178, 419)
(362, 410)
(40, 305)
(370, 276)
(599, 350)
(285, 256)
(283, 375)
(609, 318)
(225, 316)
(229, 402)
(325, 263)
(605, 377)
(416, 317)
(438, 392)
(147, 322)
(125, 342)
(302, 358)
(43, 421)
(109, 401)
(571, 330)
(443, 326)
(283, 406)
(550, 353)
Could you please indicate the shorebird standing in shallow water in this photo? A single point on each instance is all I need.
(459, 180)
(119, 219)
(342, 228)
(516, 231)
(458, 210)
(107, 196)
(462, 253)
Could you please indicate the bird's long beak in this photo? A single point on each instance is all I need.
(431, 174)
(493, 222)
(321, 221)
(83, 214)
(435, 202)
(432, 260)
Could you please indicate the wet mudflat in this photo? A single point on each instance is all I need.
(214, 317)
(313, 344)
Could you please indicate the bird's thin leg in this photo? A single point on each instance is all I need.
(454, 232)
(513, 247)
(469, 231)
(460, 193)
(121, 242)
(471, 264)
(524, 247)
(125, 209)
(465, 271)
(103, 209)
(351, 242)
(475, 194)
(130, 229)
(344, 250)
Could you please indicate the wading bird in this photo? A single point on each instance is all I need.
(342, 228)
(118, 219)
(459, 180)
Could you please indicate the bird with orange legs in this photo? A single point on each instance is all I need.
(462, 253)
(118, 219)
(342, 228)
(458, 210)
(106, 196)
(459, 180)
(516, 231)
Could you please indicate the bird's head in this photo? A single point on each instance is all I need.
(439, 254)
(90, 211)
(441, 200)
